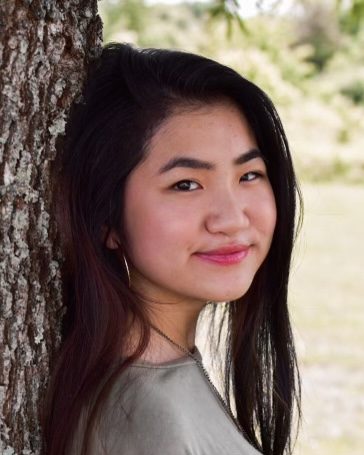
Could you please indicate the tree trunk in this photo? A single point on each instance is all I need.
(45, 46)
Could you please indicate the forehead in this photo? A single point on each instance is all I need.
(215, 132)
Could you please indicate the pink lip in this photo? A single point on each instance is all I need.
(227, 255)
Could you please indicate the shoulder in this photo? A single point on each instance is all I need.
(142, 415)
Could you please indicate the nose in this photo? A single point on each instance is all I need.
(227, 214)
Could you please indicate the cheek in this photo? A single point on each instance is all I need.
(142, 233)
(266, 213)
(154, 230)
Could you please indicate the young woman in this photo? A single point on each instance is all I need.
(176, 194)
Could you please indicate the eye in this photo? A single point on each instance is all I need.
(250, 176)
(185, 185)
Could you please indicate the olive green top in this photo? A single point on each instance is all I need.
(166, 409)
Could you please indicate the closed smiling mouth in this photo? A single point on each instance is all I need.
(226, 255)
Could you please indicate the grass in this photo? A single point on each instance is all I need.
(326, 295)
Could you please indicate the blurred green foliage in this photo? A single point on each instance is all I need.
(309, 59)
(351, 15)
(355, 91)
(228, 10)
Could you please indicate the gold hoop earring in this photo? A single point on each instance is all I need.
(127, 269)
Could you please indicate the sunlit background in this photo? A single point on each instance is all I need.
(309, 57)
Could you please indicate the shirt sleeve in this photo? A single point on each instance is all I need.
(142, 423)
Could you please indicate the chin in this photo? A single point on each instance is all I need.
(226, 296)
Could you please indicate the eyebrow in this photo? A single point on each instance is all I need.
(193, 163)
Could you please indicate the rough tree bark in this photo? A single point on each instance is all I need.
(45, 46)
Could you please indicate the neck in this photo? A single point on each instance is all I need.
(181, 335)
(178, 322)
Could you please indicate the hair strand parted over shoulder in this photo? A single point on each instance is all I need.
(128, 94)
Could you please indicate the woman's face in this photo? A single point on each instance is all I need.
(202, 187)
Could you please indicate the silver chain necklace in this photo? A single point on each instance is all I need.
(225, 405)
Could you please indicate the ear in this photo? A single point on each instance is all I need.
(111, 238)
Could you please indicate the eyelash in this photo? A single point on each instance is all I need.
(175, 186)
(258, 175)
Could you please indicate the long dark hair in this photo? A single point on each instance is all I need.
(129, 92)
